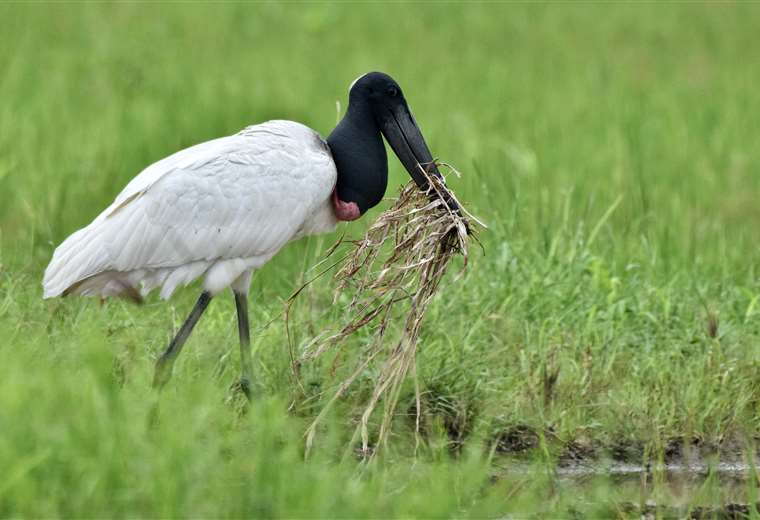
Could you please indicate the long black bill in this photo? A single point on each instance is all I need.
(402, 133)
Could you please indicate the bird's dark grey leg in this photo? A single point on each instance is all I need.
(246, 365)
(165, 363)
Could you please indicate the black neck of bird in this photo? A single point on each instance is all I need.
(359, 153)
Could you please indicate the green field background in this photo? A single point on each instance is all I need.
(612, 150)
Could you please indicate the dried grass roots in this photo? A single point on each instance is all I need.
(399, 263)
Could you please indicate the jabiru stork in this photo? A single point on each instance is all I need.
(223, 208)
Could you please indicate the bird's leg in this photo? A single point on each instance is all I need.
(165, 363)
(246, 366)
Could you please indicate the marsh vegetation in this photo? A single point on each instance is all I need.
(612, 318)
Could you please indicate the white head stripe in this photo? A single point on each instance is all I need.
(354, 81)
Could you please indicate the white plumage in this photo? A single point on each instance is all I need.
(220, 209)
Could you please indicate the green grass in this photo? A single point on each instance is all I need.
(612, 150)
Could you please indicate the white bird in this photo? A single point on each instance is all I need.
(223, 208)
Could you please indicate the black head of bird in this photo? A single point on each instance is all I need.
(376, 107)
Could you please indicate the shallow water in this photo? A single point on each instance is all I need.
(737, 470)
(680, 489)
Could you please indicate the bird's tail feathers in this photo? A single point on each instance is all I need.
(81, 257)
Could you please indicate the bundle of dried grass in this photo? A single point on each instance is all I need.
(398, 264)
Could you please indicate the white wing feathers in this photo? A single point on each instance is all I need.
(220, 208)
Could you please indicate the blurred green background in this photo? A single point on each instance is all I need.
(612, 149)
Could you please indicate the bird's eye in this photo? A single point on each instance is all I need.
(392, 91)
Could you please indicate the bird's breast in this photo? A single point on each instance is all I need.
(322, 220)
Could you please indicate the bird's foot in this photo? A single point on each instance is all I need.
(242, 386)
(162, 373)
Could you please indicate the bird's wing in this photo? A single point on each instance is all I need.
(240, 196)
